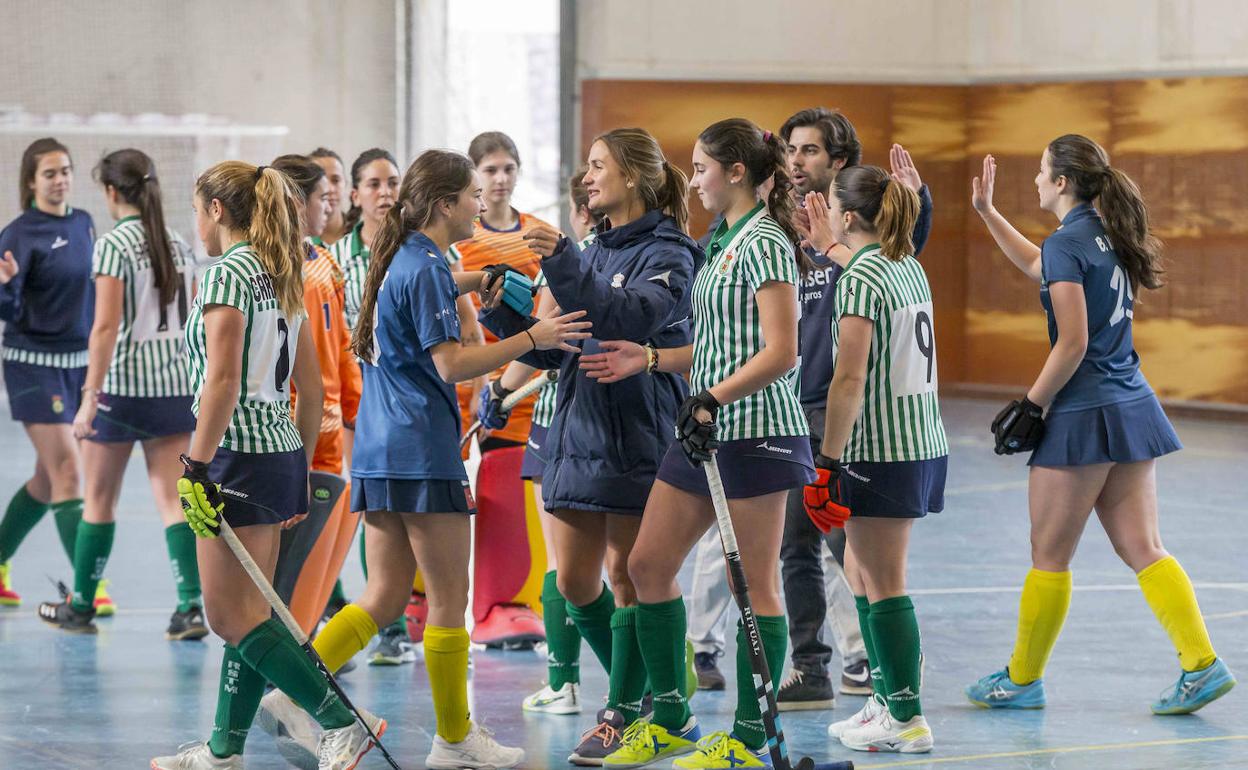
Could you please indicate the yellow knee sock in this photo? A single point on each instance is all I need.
(1041, 613)
(1169, 592)
(446, 660)
(346, 633)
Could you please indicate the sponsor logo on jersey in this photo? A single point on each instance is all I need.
(617, 281)
(262, 288)
(776, 449)
(59, 242)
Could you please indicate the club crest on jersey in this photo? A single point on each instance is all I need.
(726, 265)
(617, 281)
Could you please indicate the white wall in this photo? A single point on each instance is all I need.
(324, 68)
(930, 41)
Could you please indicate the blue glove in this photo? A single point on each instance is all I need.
(518, 293)
(490, 409)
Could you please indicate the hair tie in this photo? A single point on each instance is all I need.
(260, 172)
(884, 184)
(766, 136)
(147, 177)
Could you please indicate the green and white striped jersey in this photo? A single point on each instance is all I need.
(149, 359)
(727, 330)
(900, 419)
(352, 256)
(261, 422)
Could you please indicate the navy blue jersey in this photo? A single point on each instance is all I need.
(408, 422)
(1080, 252)
(816, 291)
(49, 305)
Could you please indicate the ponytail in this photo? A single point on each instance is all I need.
(673, 195)
(435, 176)
(894, 224)
(780, 202)
(276, 236)
(1085, 164)
(133, 175)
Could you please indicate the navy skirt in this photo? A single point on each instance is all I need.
(127, 419)
(749, 467)
(43, 394)
(534, 463)
(412, 495)
(896, 490)
(261, 488)
(1128, 432)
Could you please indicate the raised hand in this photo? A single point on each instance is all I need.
(560, 330)
(982, 186)
(8, 267)
(819, 223)
(543, 239)
(903, 167)
(618, 360)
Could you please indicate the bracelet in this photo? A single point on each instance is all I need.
(530, 336)
(652, 359)
(89, 391)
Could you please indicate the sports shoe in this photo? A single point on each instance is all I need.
(801, 691)
(294, 730)
(724, 750)
(187, 626)
(645, 742)
(709, 675)
(856, 678)
(869, 711)
(65, 616)
(8, 597)
(393, 648)
(565, 700)
(887, 734)
(998, 691)
(478, 749)
(343, 747)
(196, 756)
(104, 606)
(1196, 689)
(600, 740)
(513, 626)
(415, 616)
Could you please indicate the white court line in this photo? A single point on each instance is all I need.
(1088, 588)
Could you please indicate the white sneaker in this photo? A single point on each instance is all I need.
(196, 756)
(477, 750)
(565, 700)
(294, 730)
(887, 734)
(869, 711)
(342, 748)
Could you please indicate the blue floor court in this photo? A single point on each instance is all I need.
(115, 700)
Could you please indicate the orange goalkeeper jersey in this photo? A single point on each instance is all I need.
(492, 247)
(323, 299)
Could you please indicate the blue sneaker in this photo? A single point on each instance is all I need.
(1196, 689)
(996, 691)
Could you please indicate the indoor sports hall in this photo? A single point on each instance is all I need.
(1002, 298)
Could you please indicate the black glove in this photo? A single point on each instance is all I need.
(1019, 427)
(698, 439)
(495, 272)
(490, 409)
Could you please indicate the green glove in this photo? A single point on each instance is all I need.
(201, 498)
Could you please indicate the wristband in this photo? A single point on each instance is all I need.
(530, 336)
(652, 359)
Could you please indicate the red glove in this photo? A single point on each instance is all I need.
(824, 498)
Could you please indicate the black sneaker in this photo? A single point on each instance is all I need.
(709, 675)
(856, 678)
(803, 691)
(186, 626)
(600, 740)
(65, 616)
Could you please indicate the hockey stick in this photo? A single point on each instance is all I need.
(524, 391)
(288, 620)
(758, 661)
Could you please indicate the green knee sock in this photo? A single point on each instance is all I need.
(273, 652)
(661, 632)
(180, 541)
(627, 684)
(896, 633)
(774, 631)
(363, 557)
(237, 700)
(23, 513)
(868, 642)
(67, 514)
(91, 549)
(563, 641)
(593, 621)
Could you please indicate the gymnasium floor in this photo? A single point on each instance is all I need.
(115, 700)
